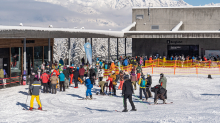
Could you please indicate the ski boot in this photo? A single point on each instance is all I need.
(155, 102)
(164, 101)
(134, 109)
(39, 108)
(87, 97)
(31, 108)
(91, 97)
(125, 110)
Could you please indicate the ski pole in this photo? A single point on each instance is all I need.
(140, 100)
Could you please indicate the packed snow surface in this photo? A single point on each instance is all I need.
(195, 99)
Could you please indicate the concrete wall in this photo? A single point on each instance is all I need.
(198, 18)
(146, 47)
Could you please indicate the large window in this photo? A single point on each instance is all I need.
(38, 57)
(16, 61)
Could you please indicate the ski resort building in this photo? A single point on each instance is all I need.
(175, 31)
(164, 31)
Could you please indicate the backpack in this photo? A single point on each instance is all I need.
(143, 83)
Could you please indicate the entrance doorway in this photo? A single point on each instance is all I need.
(186, 50)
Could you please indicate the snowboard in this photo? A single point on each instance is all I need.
(161, 103)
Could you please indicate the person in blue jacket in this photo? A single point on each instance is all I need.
(61, 61)
(125, 62)
(100, 63)
(62, 80)
(89, 87)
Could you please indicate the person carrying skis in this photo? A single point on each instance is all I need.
(163, 83)
(89, 87)
(127, 91)
(143, 82)
(148, 86)
(35, 88)
(54, 80)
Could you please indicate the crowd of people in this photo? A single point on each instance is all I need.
(59, 76)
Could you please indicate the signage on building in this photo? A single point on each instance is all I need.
(28, 41)
(174, 42)
(182, 47)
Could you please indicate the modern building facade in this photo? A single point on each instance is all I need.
(175, 31)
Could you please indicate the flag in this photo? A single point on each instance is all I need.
(88, 50)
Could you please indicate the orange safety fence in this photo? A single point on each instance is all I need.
(175, 67)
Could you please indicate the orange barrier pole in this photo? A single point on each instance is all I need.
(158, 62)
(197, 70)
(219, 68)
(175, 68)
(152, 69)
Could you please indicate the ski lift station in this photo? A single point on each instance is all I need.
(154, 30)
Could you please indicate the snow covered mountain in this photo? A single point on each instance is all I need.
(114, 14)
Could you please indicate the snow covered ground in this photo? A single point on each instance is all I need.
(196, 99)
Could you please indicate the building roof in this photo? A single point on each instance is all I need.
(177, 7)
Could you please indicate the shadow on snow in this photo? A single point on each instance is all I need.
(23, 92)
(102, 110)
(210, 94)
(25, 106)
(74, 95)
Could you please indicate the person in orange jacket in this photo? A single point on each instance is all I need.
(45, 80)
(112, 65)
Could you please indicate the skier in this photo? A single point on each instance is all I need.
(35, 88)
(125, 63)
(114, 82)
(89, 87)
(159, 93)
(92, 75)
(163, 83)
(81, 72)
(32, 77)
(142, 82)
(121, 75)
(45, 79)
(54, 80)
(139, 71)
(148, 86)
(102, 85)
(100, 74)
(62, 80)
(127, 91)
(76, 75)
(110, 83)
(133, 79)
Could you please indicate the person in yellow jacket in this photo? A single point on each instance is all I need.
(143, 82)
(164, 61)
(112, 67)
(35, 87)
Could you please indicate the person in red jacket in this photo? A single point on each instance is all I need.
(110, 84)
(81, 72)
(205, 59)
(71, 75)
(45, 79)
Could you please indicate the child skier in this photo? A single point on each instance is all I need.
(142, 82)
(35, 88)
(89, 87)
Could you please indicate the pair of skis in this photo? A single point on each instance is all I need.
(33, 110)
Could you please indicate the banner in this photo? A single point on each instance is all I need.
(88, 50)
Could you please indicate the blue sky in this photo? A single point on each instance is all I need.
(201, 2)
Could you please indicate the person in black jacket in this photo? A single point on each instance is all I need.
(159, 93)
(149, 82)
(92, 75)
(32, 76)
(75, 77)
(127, 91)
